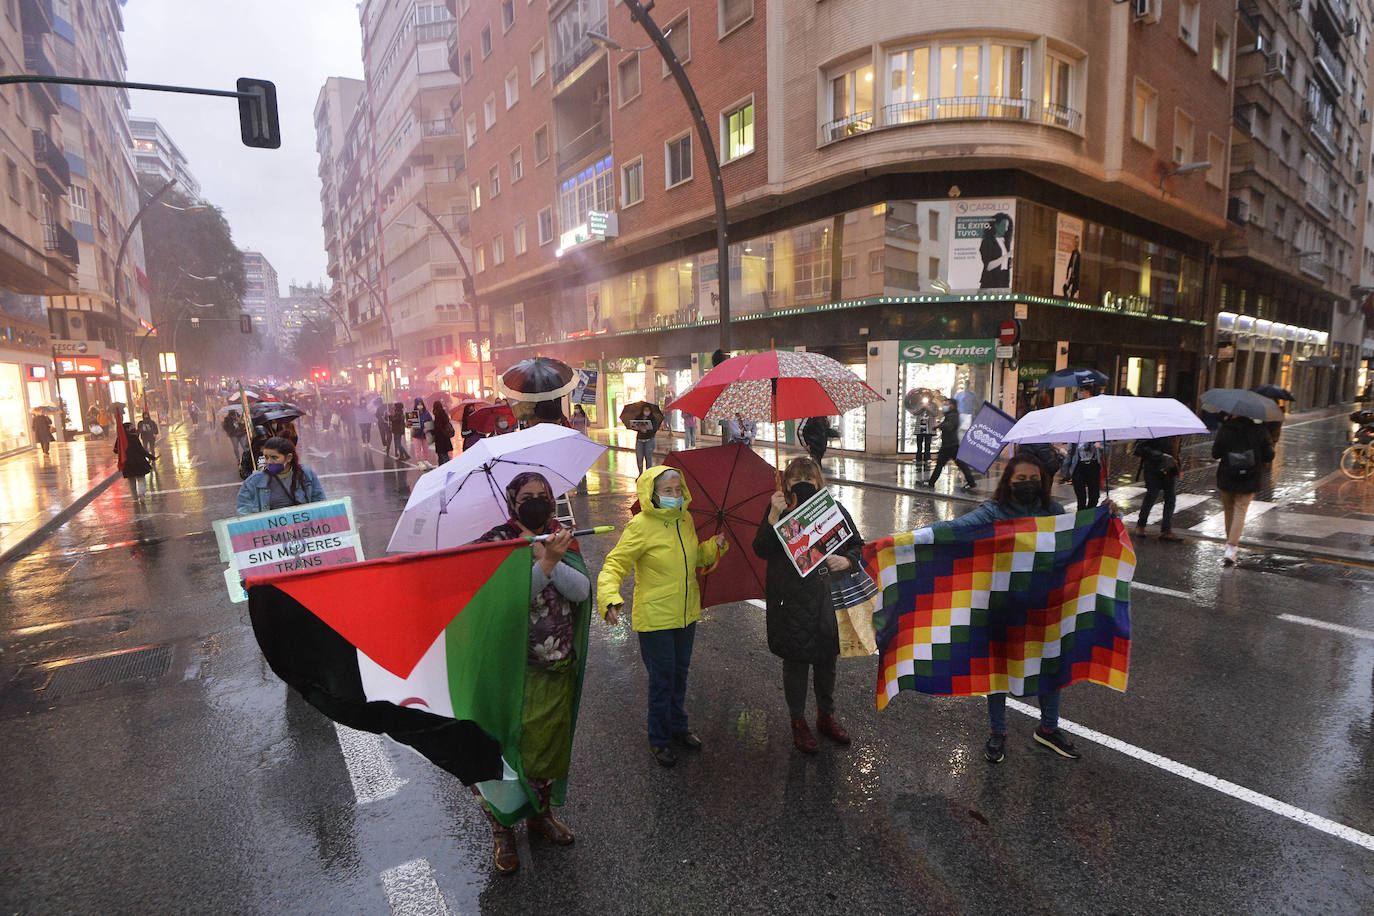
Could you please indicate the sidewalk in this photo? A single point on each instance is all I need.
(39, 493)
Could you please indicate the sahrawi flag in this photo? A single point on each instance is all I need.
(1023, 606)
(428, 649)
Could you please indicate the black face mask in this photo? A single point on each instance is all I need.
(534, 513)
(803, 490)
(1026, 492)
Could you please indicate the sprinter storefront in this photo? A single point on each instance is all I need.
(945, 367)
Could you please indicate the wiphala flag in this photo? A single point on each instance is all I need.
(1022, 606)
(441, 668)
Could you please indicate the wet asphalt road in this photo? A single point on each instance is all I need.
(210, 788)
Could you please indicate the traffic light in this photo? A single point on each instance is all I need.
(246, 324)
(258, 124)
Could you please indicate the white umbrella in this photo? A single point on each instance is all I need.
(1104, 418)
(466, 497)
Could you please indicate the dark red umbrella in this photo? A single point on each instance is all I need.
(730, 486)
(493, 419)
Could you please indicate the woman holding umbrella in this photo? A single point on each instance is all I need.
(1242, 448)
(645, 422)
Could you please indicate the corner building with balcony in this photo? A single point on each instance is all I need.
(901, 179)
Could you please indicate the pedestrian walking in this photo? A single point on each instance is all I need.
(660, 545)
(646, 429)
(1159, 466)
(134, 462)
(42, 432)
(925, 436)
(748, 430)
(580, 421)
(1084, 469)
(816, 433)
(362, 416)
(1022, 491)
(1242, 448)
(421, 423)
(147, 435)
(443, 433)
(967, 402)
(233, 427)
(193, 412)
(348, 417)
(559, 609)
(282, 482)
(689, 430)
(104, 420)
(383, 418)
(398, 424)
(730, 431)
(949, 449)
(801, 624)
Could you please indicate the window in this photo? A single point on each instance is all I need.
(546, 225)
(1059, 91)
(541, 144)
(875, 261)
(1187, 22)
(489, 111)
(632, 183)
(81, 212)
(498, 251)
(512, 88)
(733, 14)
(486, 41)
(12, 178)
(851, 101)
(517, 165)
(679, 36)
(507, 14)
(537, 65)
(467, 65)
(30, 195)
(475, 196)
(1216, 155)
(677, 155)
(737, 128)
(627, 78)
(1221, 53)
(479, 259)
(908, 86)
(1183, 138)
(593, 188)
(494, 179)
(471, 128)
(1143, 114)
(517, 238)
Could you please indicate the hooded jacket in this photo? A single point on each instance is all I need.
(661, 546)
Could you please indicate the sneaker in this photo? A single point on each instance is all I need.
(663, 754)
(995, 751)
(1056, 742)
(1228, 556)
(970, 486)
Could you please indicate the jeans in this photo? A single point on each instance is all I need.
(667, 655)
(365, 430)
(644, 453)
(689, 436)
(794, 686)
(1169, 486)
(997, 712)
(1087, 483)
(149, 445)
(1233, 507)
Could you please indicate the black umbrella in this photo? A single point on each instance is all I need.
(539, 378)
(1069, 377)
(1274, 392)
(924, 400)
(635, 412)
(1241, 403)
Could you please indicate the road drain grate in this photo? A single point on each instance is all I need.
(92, 673)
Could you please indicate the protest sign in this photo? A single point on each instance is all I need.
(308, 536)
(983, 441)
(813, 531)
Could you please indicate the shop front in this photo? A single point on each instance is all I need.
(625, 381)
(945, 367)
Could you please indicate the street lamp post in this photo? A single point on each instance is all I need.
(390, 334)
(119, 261)
(640, 13)
(471, 289)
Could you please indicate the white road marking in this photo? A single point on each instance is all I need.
(236, 484)
(412, 890)
(369, 768)
(1207, 780)
(1322, 624)
(1216, 524)
(1161, 590)
(756, 603)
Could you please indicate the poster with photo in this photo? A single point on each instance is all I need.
(813, 531)
(708, 285)
(1068, 242)
(519, 313)
(982, 243)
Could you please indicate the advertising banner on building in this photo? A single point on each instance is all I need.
(585, 392)
(983, 441)
(1068, 242)
(948, 351)
(982, 243)
(308, 536)
(519, 313)
(708, 285)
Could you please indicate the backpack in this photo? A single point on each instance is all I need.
(1241, 465)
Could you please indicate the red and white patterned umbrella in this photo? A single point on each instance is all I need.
(775, 385)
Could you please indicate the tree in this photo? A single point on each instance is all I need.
(178, 246)
(314, 342)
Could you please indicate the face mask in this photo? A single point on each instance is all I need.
(534, 513)
(1026, 492)
(803, 490)
(670, 502)
(274, 468)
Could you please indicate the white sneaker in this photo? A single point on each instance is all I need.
(1228, 556)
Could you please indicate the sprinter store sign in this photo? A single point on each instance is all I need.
(948, 351)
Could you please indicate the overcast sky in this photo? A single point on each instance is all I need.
(270, 197)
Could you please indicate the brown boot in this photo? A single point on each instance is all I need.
(546, 825)
(503, 852)
(802, 737)
(828, 725)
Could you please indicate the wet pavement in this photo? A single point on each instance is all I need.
(1234, 776)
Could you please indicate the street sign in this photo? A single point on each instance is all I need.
(1006, 352)
(1009, 332)
(1020, 310)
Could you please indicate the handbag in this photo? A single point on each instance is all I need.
(855, 596)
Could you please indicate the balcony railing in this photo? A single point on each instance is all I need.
(35, 59)
(52, 163)
(568, 61)
(1318, 200)
(436, 31)
(1328, 59)
(966, 108)
(440, 127)
(1312, 265)
(848, 126)
(55, 238)
(583, 145)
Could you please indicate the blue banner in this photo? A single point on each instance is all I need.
(983, 441)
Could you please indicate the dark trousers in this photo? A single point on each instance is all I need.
(1087, 483)
(944, 458)
(923, 443)
(667, 655)
(1168, 484)
(794, 686)
(365, 430)
(816, 452)
(149, 442)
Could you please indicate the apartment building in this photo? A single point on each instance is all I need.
(392, 155)
(301, 304)
(901, 178)
(96, 326)
(156, 154)
(261, 293)
(38, 254)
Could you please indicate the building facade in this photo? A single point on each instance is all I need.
(261, 292)
(156, 154)
(301, 304)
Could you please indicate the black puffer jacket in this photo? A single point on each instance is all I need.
(1238, 435)
(801, 618)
